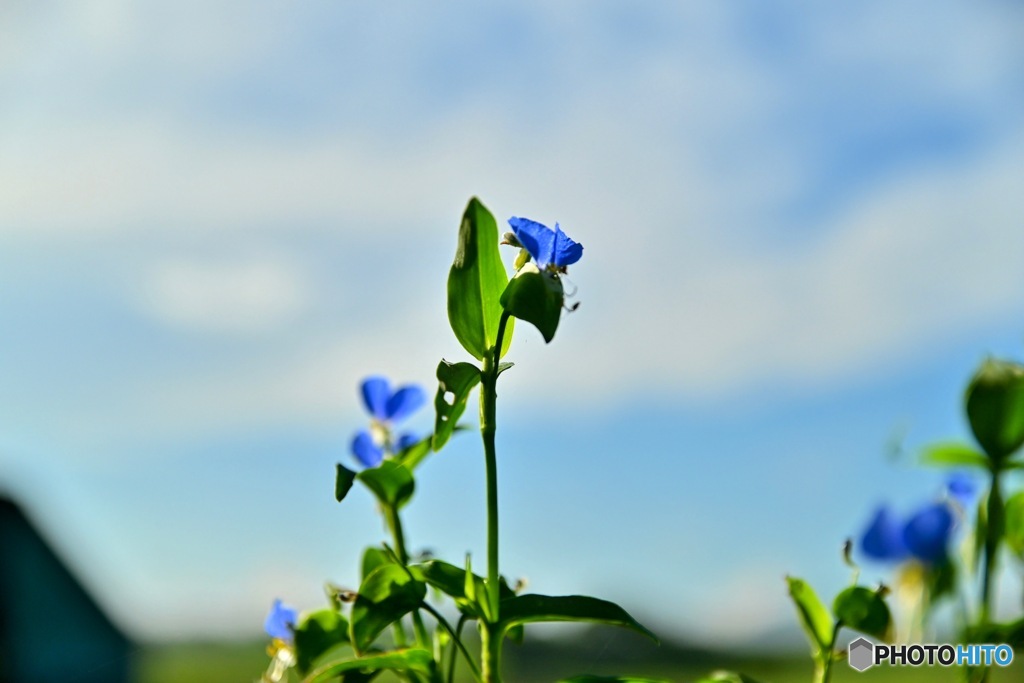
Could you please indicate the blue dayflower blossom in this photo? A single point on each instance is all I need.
(551, 250)
(924, 536)
(927, 532)
(883, 539)
(280, 622)
(386, 407)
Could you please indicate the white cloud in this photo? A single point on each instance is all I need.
(240, 297)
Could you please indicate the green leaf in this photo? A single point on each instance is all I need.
(372, 558)
(815, 619)
(995, 407)
(453, 582)
(385, 596)
(1011, 633)
(1013, 529)
(390, 481)
(316, 633)
(586, 678)
(414, 660)
(863, 610)
(953, 455)
(537, 298)
(525, 609)
(457, 379)
(413, 455)
(343, 482)
(475, 283)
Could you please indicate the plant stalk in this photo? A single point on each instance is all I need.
(490, 633)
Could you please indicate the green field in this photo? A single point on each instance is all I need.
(244, 662)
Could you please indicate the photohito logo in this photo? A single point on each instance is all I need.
(863, 654)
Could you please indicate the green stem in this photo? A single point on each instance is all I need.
(456, 636)
(491, 637)
(395, 524)
(455, 639)
(993, 534)
(823, 668)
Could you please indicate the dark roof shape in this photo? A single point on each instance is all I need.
(51, 629)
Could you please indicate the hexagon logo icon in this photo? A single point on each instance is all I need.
(861, 654)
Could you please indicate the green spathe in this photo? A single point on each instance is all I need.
(475, 283)
(995, 407)
(536, 297)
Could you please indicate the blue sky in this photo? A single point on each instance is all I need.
(802, 228)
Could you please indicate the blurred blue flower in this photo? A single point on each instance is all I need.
(883, 539)
(924, 536)
(386, 407)
(962, 488)
(281, 622)
(550, 249)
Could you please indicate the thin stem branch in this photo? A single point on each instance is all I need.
(455, 639)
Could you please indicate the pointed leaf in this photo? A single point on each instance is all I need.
(525, 609)
(475, 283)
(343, 482)
(863, 610)
(413, 660)
(537, 298)
(815, 619)
(953, 455)
(385, 596)
(455, 583)
(391, 482)
(457, 379)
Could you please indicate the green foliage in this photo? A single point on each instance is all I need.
(953, 454)
(475, 283)
(585, 678)
(343, 480)
(391, 482)
(458, 379)
(814, 617)
(1014, 524)
(387, 594)
(525, 609)
(863, 610)
(995, 407)
(537, 298)
(727, 677)
(415, 660)
(316, 633)
(373, 558)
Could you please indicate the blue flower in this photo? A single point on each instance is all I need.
(883, 539)
(924, 536)
(961, 488)
(280, 623)
(927, 532)
(386, 407)
(551, 250)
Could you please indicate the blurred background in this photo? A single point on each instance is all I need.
(802, 232)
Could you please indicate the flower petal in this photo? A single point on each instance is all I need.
(375, 391)
(961, 488)
(280, 621)
(404, 402)
(566, 251)
(366, 450)
(883, 539)
(406, 440)
(536, 238)
(927, 532)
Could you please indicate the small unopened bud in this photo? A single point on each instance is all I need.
(510, 239)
